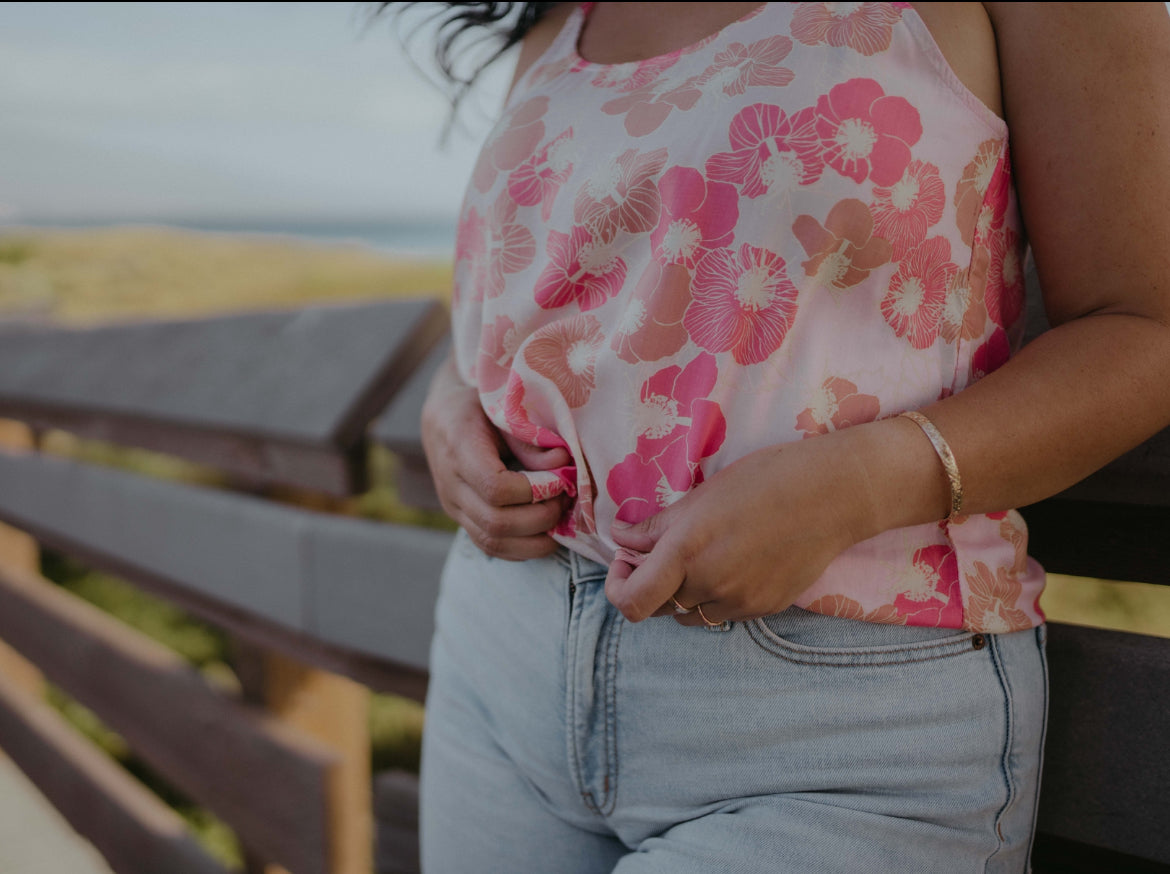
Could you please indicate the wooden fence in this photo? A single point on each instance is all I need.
(323, 607)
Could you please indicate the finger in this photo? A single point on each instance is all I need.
(513, 548)
(532, 457)
(642, 536)
(516, 520)
(497, 487)
(641, 592)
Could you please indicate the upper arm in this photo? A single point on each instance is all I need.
(1087, 100)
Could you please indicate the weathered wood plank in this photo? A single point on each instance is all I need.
(262, 394)
(131, 828)
(1105, 763)
(349, 595)
(268, 781)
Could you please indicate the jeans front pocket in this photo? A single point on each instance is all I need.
(801, 636)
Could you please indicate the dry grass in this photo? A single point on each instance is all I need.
(134, 272)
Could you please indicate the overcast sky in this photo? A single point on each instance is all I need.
(219, 109)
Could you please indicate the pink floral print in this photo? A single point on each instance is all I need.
(645, 109)
(697, 216)
(771, 152)
(581, 267)
(930, 595)
(516, 141)
(497, 347)
(973, 186)
(992, 602)
(788, 228)
(565, 353)
(623, 195)
(904, 211)
(495, 245)
(990, 356)
(537, 180)
(1005, 286)
(676, 427)
(738, 67)
(843, 250)
(837, 405)
(742, 302)
(866, 133)
(913, 303)
(864, 27)
(652, 325)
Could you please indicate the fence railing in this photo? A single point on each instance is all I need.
(324, 607)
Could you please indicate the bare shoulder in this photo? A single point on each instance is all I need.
(541, 37)
(966, 38)
(1088, 103)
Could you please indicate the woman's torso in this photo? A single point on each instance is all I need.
(800, 223)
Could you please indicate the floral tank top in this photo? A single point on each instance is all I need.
(801, 223)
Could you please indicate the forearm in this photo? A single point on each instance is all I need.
(1071, 401)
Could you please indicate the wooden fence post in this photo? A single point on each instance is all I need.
(333, 709)
(18, 550)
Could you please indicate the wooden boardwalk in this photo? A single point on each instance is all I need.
(34, 837)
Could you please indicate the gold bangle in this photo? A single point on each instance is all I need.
(945, 456)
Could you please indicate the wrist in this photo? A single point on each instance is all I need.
(900, 477)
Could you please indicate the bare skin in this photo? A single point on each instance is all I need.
(1089, 118)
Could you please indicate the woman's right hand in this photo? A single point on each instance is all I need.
(467, 456)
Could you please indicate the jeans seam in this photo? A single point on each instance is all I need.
(857, 658)
(1041, 640)
(1009, 740)
(609, 802)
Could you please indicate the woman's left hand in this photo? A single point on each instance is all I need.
(752, 537)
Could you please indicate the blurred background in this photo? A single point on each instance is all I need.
(179, 159)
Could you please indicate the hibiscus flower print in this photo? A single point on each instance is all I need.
(930, 594)
(846, 608)
(676, 428)
(645, 109)
(865, 133)
(843, 250)
(973, 186)
(673, 405)
(904, 211)
(623, 195)
(582, 268)
(992, 600)
(634, 75)
(651, 327)
(991, 356)
(507, 247)
(742, 302)
(519, 421)
(520, 134)
(838, 404)
(697, 216)
(771, 152)
(498, 343)
(537, 180)
(914, 299)
(565, 353)
(1005, 280)
(864, 27)
(963, 314)
(739, 67)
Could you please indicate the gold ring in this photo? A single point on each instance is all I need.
(679, 608)
(703, 616)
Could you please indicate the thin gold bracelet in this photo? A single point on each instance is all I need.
(945, 456)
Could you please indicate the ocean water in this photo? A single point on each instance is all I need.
(430, 238)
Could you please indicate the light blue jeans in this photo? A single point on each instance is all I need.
(562, 739)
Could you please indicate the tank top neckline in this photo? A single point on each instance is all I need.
(575, 27)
